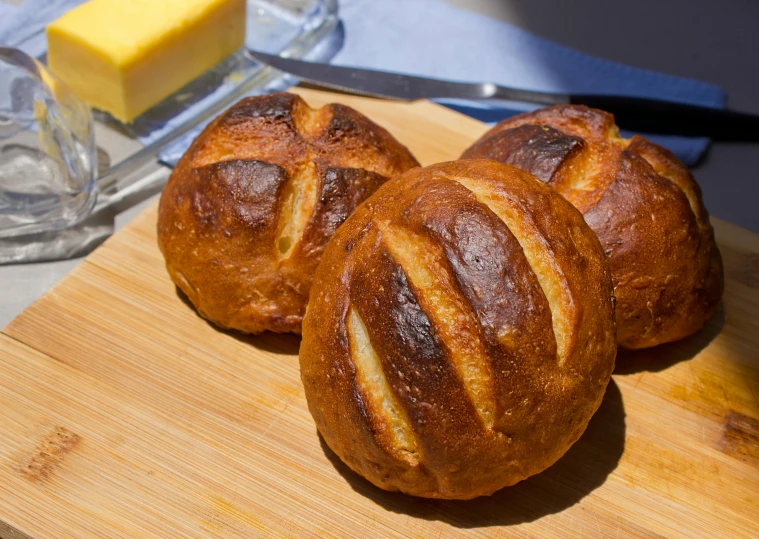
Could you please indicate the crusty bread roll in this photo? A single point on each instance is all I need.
(250, 206)
(640, 200)
(460, 332)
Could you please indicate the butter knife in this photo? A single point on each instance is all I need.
(632, 113)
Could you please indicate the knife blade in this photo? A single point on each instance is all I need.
(647, 115)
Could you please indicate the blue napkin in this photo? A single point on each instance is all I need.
(433, 38)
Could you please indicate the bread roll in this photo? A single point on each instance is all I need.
(460, 332)
(640, 200)
(250, 206)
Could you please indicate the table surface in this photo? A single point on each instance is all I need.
(683, 37)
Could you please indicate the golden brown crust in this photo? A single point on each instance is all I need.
(641, 201)
(452, 384)
(247, 211)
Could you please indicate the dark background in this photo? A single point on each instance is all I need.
(710, 40)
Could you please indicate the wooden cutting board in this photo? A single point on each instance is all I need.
(123, 414)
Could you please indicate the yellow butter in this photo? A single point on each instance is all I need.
(124, 56)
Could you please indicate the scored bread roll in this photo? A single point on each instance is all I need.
(639, 199)
(460, 331)
(246, 214)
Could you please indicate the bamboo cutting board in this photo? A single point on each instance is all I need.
(126, 415)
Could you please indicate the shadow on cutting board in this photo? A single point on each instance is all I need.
(579, 472)
(276, 343)
(662, 357)
(287, 344)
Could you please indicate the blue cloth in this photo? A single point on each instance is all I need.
(433, 38)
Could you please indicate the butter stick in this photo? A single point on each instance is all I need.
(123, 57)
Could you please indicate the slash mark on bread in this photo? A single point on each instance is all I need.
(423, 262)
(376, 388)
(539, 256)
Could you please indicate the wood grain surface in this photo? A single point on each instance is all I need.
(124, 414)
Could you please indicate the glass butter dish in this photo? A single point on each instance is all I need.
(59, 160)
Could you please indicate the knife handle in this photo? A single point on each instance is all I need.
(670, 118)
